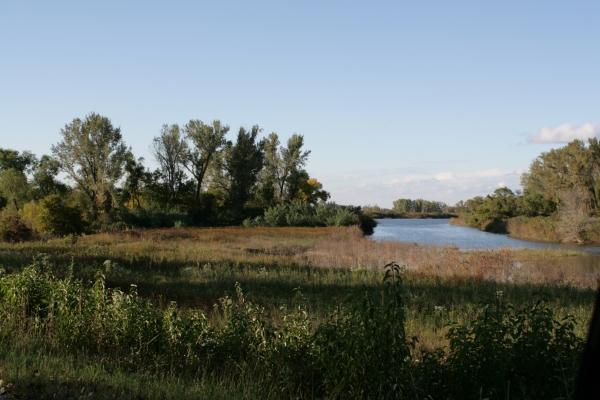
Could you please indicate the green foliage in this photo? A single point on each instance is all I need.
(14, 188)
(298, 213)
(358, 351)
(419, 206)
(12, 159)
(283, 165)
(44, 181)
(529, 348)
(494, 208)
(571, 166)
(363, 348)
(242, 162)
(13, 229)
(93, 155)
(169, 150)
(207, 141)
(134, 182)
(203, 179)
(56, 217)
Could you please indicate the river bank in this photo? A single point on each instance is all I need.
(538, 229)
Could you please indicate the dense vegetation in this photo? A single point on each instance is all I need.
(407, 208)
(260, 315)
(559, 201)
(420, 206)
(203, 179)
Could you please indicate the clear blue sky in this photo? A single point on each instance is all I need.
(440, 100)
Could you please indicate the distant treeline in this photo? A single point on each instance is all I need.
(407, 208)
(203, 179)
(420, 206)
(559, 200)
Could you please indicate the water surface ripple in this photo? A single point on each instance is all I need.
(440, 233)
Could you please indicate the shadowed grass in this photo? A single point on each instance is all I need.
(197, 267)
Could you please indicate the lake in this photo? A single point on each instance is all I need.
(440, 233)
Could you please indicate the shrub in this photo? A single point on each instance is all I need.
(55, 217)
(529, 348)
(363, 349)
(299, 213)
(13, 229)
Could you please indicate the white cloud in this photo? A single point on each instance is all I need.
(444, 176)
(565, 133)
(444, 186)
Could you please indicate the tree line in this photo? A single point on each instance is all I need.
(561, 186)
(203, 178)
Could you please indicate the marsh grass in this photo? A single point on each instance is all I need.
(197, 268)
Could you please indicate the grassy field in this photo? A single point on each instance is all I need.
(295, 284)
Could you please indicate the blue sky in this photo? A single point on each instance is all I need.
(439, 100)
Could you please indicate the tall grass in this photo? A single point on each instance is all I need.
(294, 326)
(361, 350)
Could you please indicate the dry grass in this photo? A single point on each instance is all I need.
(197, 266)
(321, 247)
(505, 265)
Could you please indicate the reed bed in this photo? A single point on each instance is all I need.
(197, 267)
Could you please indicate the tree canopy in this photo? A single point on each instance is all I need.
(93, 155)
(203, 178)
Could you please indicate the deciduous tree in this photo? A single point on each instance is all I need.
(169, 150)
(206, 142)
(14, 188)
(242, 162)
(93, 155)
(283, 163)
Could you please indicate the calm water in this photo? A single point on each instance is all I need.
(439, 232)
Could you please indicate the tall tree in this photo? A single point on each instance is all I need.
(568, 167)
(22, 162)
(136, 175)
(44, 181)
(207, 141)
(242, 162)
(14, 188)
(169, 150)
(13, 180)
(93, 155)
(284, 163)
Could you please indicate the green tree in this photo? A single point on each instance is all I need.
(242, 162)
(568, 167)
(22, 162)
(93, 155)
(207, 141)
(169, 150)
(56, 217)
(136, 176)
(498, 207)
(284, 163)
(14, 188)
(44, 181)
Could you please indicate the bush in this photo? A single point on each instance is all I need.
(13, 229)
(55, 217)
(299, 213)
(153, 217)
(363, 349)
(506, 353)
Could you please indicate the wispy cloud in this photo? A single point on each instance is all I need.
(367, 174)
(565, 133)
(444, 186)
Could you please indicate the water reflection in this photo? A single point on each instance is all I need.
(440, 233)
